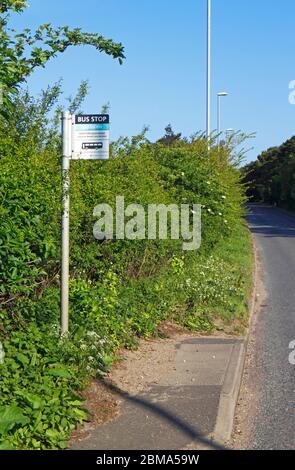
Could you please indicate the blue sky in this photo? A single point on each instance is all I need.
(163, 78)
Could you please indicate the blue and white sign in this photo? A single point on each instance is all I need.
(90, 137)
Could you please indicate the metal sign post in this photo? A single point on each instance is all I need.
(85, 137)
(65, 248)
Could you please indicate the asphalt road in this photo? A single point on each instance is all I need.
(273, 425)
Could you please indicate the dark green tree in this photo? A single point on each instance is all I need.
(271, 178)
(170, 137)
(21, 53)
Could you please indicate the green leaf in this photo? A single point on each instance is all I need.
(75, 403)
(79, 414)
(24, 360)
(10, 417)
(34, 401)
(53, 434)
(5, 445)
(64, 373)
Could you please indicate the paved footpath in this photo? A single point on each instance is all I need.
(191, 404)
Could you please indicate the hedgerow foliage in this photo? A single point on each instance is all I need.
(21, 52)
(119, 290)
(271, 178)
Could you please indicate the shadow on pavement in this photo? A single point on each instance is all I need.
(165, 415)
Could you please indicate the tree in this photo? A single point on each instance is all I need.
(15, 5)
(21, 53)
(271, 178)
(169, 138)
(105, 109)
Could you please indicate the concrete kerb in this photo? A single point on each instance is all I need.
(233, 377)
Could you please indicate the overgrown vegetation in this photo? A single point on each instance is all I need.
(119, 290)
(22, 52)
(271, 178)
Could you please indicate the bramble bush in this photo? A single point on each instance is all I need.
(119, 290)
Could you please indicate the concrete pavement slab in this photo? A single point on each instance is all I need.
(183, 407)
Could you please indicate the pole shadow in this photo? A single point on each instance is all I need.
(190, 431)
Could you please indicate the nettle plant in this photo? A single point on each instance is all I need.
(22, 52)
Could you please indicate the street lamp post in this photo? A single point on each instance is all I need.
(219, 95)
(208, 132)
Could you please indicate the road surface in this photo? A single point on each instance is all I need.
(266, 417)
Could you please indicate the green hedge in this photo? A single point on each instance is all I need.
(119, 290)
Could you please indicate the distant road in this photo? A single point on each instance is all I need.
(274, 418)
